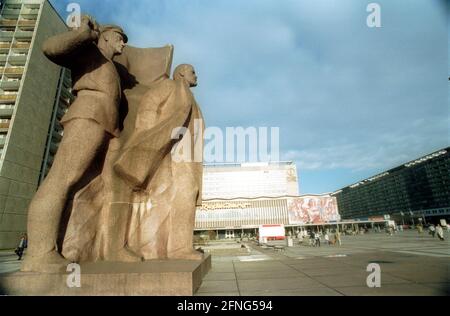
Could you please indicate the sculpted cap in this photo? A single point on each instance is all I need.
(115, 28)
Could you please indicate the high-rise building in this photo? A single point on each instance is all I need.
(419, 188)
(33, 96)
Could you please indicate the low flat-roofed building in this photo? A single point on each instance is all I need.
(239, 198)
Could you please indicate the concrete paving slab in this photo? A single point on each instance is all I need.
(222, 268)
(297, 292)
(258, 266)
(410, 265)
(422, 276)
(391, 290)
(276, 274)
(310, 265)
(218, 294)
(313, 272)
(220, 276)
(356, 279)
(218, 286)
(278, 284)
(442, 287)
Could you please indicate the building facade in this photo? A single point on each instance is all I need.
(34, 94)
(228, 218)
(249, 180)
(239, 198)
(417, 189)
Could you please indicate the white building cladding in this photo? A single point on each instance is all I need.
(251, 180)
(241, 196)
(241, 213)
(250, 213)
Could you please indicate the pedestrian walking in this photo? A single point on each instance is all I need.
(440, 232)
(337, 237)
(312, 239)
(391, 230)
(419, 229)
(327, 239)
(432, 230)
(317, 238)
(23, 244)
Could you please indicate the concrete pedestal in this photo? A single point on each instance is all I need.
(150, 278)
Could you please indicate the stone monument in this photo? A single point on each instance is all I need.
(116, 201)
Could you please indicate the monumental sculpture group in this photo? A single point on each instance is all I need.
(114, 192)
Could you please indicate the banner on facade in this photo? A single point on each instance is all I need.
(313, 210)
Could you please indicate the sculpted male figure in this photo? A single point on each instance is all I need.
(172, 186)
(92, 120)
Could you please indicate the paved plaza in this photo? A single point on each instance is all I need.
(411, 264)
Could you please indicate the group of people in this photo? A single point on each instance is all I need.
(315, 238)
(433, 230)
(436, 230)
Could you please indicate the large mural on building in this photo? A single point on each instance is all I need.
(313, 210)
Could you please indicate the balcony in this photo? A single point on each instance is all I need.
(3, 58)
(23, 35)
(60, 113)
(53, 148)
(21, 45)
(12, 70)
(10, 14)
(2, 141)
(50, 160)
(56, 136)
(4, 51)
(8, 98)
(13, 4)
(26, 29)
(7, 28)
(7, 22)
(6, 113)
(4, 125)
(64, 102)
(66, 95)
(10, 85)
(6, 36)
(28, 23)
(67, 82)
(29, 14)
(17, 60)
(5, 45)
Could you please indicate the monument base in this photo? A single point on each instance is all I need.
(149, 278)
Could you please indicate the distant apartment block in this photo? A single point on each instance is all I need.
(419, 188)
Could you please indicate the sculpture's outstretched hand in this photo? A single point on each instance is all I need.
(64, 49)
(88, 24)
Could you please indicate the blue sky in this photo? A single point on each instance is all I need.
(351, 101)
